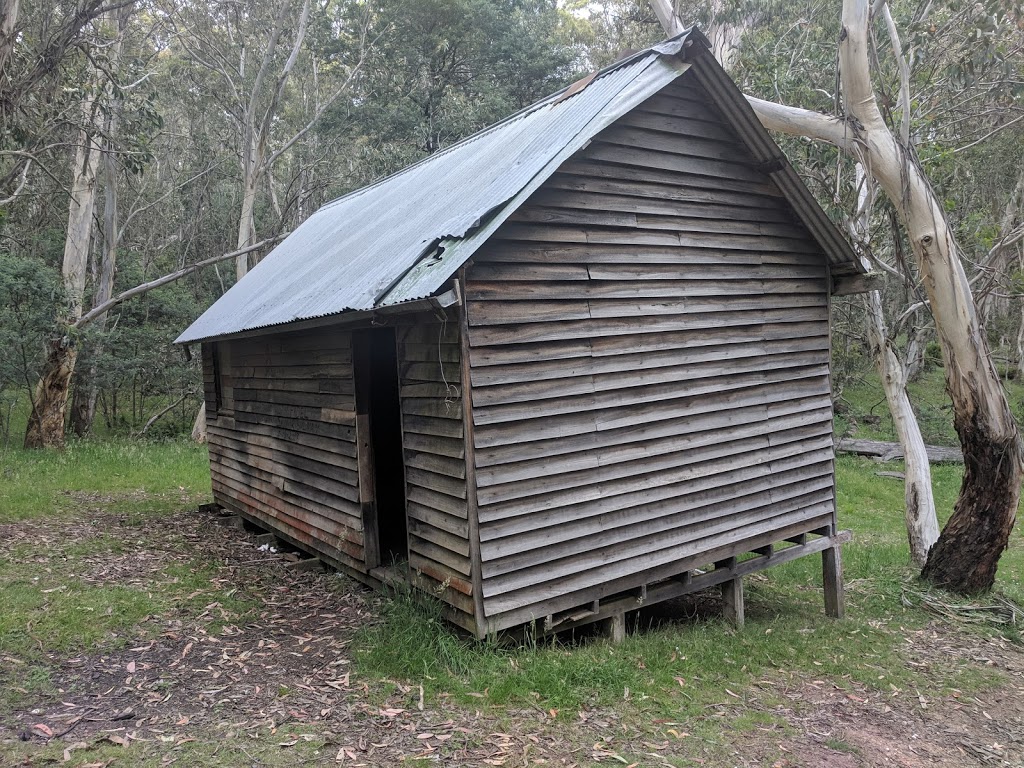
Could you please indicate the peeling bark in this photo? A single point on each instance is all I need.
(965, 558)
(46, 422)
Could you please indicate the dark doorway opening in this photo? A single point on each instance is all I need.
(379, 423)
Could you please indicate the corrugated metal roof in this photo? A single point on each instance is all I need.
(403, 237)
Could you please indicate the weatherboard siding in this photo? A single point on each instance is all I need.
(283, 445)
(282, 441)
(649, 350)
(435, 461)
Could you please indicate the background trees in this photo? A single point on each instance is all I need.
(140, 137)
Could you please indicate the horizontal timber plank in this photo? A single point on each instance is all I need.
(494, 435)
(331, 494)
(454, 448)
(683, 257)
(436, 482)
(701, 124)
(627, 270)
(285, 397)
(444, 465)
(428, 353)
(457, 546)
(441, 574)
(340, 446)
(651, 388)
(433, 407)
(429, 425)
(574, 177)
(742, 346)
(333, 465)
(554, 602)
(593, 378)
(435, 499)
(301, 514)
(456, 526)
(437, 554)
(506, 303)
(733, 155)
(584, 201)
(590, 569)
(415, 372)
(693, 182)
(611, 496)
(655, 341)
(554, 233)
(707, 430)
(749, 312)
(754, 455)
(727, 411)
(686, 525)
(648, 158)
(694, 503)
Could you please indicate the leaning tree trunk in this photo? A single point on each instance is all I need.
(46, 422)
(922, 523)
(964, 558)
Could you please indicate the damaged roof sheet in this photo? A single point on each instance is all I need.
(401, 238)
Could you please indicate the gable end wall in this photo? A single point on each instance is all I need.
(649, 351)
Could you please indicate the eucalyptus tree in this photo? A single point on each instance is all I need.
(967, 552)
(46, 421)
(440, 70)
(245, 57)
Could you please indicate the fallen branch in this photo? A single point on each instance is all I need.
(883, 451)
(163, 411)
(108, 305)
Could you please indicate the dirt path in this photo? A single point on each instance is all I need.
(256, 669)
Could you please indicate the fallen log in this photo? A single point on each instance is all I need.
(883, 451)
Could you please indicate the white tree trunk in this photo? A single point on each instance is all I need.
(80, 211)
(246, 226)
(922, 523)
(199, 427)
(45, 427)
(966, 555)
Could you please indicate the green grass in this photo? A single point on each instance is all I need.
(117, 475)
(699, 672)
(49, 609)
(863, 412)
(679, 670)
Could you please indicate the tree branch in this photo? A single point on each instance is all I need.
(138, 290)
(803, 122)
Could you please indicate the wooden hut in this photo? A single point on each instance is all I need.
(575, 363)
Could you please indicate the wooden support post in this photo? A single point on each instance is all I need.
(615, 627)
(732, 593)
(832, 571)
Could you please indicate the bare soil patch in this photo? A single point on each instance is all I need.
(260, 657)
